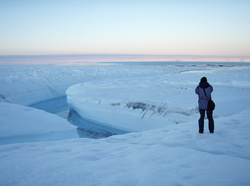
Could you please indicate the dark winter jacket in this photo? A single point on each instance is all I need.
(203, 99)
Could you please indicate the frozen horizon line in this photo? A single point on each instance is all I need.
(86, 58)
(166, 55)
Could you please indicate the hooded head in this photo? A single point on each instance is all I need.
(204, 83)
(204, 79)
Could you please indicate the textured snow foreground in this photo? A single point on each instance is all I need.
(168, 152)
(175, 155)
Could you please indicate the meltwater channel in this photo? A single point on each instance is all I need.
(85, 128)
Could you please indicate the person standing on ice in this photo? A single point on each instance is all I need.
(204, 90)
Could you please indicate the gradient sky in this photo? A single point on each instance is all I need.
(176, 27)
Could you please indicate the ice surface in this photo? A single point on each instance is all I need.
(30, 84)
(133, 104)
(174, 154)
(148, 102)
(24, 124)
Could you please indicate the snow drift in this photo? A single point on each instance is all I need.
(174, 155)
(24, 124)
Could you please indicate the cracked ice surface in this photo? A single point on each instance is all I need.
(29, 84)
(133, 104)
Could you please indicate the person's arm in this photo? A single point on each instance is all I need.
(211, 89)
(197, 90)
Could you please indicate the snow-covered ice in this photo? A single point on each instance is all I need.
(154, 105)
(145, 103)
(29, 84)
(25, 124)
(174, 155)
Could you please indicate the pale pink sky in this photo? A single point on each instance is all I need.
(215, 27)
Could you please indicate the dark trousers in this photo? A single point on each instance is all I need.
(210, 120)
